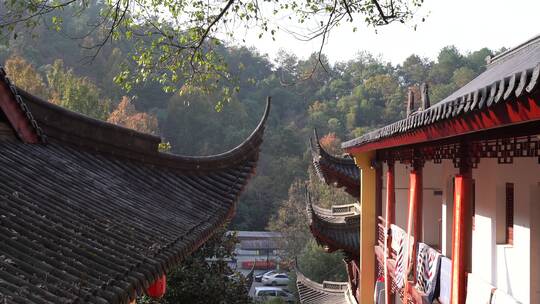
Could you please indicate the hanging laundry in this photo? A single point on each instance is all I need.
(427, 270)
(401, 245)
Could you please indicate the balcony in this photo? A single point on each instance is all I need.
(426, 283)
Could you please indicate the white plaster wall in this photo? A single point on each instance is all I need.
(402, 194)
(506, 267)
(535, 243)
(401, 176)
(447, 174)
(432, 180)
(432, 204)
(484, 233)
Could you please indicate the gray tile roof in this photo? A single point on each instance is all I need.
(335, 170)
(97, 214)
(509, 75)
(337, 228)
(311, 292)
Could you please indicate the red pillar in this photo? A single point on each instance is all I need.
(418, 195)
(461, 235)
(414, 221)
(390, 219)
(378, 205)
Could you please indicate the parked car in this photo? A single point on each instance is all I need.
(263, 294)
(275, 279)
(258, 277)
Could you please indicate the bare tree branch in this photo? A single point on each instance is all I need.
(44, 9)
(381, 12)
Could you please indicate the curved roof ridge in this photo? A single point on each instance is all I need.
(35, 101)
(334, 170)
(240, 152)
(318, 151)
(308, 282)
(504, 55)
(60, 124)
(334, 231)
(333, 217)
(511, 77)
(106, 205)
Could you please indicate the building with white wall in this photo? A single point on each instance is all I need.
(450, 195)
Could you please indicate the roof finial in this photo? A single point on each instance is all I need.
(425, 96)
(410, 101)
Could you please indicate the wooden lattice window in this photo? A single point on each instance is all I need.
(509, 208)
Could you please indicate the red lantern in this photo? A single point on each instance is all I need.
(157, 289)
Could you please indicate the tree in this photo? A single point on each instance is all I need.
(462, 76)
(184, 48)
(320, 266)
(204, 277)
(291, 221)
(477, 60)
(331, 143)
(25, 76)
(75, 93)
(127, 116)
(448, 60)
(414, 70)
(339, 102)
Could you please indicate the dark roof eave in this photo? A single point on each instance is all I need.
(334, 170)
(338, 232)
(508, 79)
(524, 111)
(67, 126)
(94, 200)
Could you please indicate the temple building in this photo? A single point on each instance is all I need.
(335, 228)
(450, 195)
(92, 212)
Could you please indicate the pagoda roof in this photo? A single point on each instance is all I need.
(92, 212)
(497, 97)
(336, 228)
(328, 292)
(335, 170)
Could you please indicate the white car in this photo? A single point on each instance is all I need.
(275, 279)
(263, 294)
(258, 278)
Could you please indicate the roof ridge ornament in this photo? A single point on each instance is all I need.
(425, 96)
(410, 101)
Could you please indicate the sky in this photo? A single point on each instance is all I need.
(467, 24)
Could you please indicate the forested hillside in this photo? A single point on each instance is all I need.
(347, 99)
